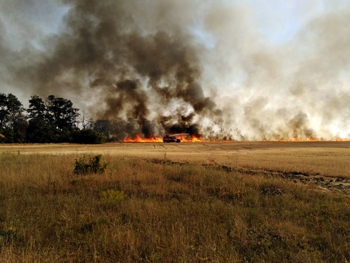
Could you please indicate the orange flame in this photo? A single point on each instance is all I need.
(183, 138)
(139, 139)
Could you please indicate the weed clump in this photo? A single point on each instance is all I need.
(92, 165)
(112, 196)
(7, 235)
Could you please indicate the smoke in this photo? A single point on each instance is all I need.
(273, 85)
(164, 66)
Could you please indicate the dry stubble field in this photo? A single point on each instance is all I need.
(328, 158)
(187, 202)
(325, 163)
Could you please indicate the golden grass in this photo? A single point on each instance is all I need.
(144, 211)
(324, 158)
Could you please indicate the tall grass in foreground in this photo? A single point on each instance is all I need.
(140, 211)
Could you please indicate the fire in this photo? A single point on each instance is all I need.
(182, 138)
(138, 138)
(193, 138)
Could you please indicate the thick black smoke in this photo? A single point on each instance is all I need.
(142, 75)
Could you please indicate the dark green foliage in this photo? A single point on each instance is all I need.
(10, 109)
(13, 123)
(16, 133)
(92, 165)
(88, 137)
(20, 127)
(37, 108)
(53, 120)
(39, 131)
(62, 116)
(61, 112)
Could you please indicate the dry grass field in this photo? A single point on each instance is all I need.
(331, 159)
(187, 202)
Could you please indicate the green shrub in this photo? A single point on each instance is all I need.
(92, 165)
(112, 196)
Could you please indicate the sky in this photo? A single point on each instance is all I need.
(274, 69)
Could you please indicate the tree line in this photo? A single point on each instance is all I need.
(52, 120)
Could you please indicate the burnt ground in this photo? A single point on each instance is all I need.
(326, 182)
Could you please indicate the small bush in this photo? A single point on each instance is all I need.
(112, 197)
(92, 165)
(7, 235)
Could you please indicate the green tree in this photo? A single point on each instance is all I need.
(53, 120)
(41, 129)
(63, 116)
(13, 123)
(37, 108)
(20, 127)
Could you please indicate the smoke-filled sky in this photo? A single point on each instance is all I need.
(245, 69)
